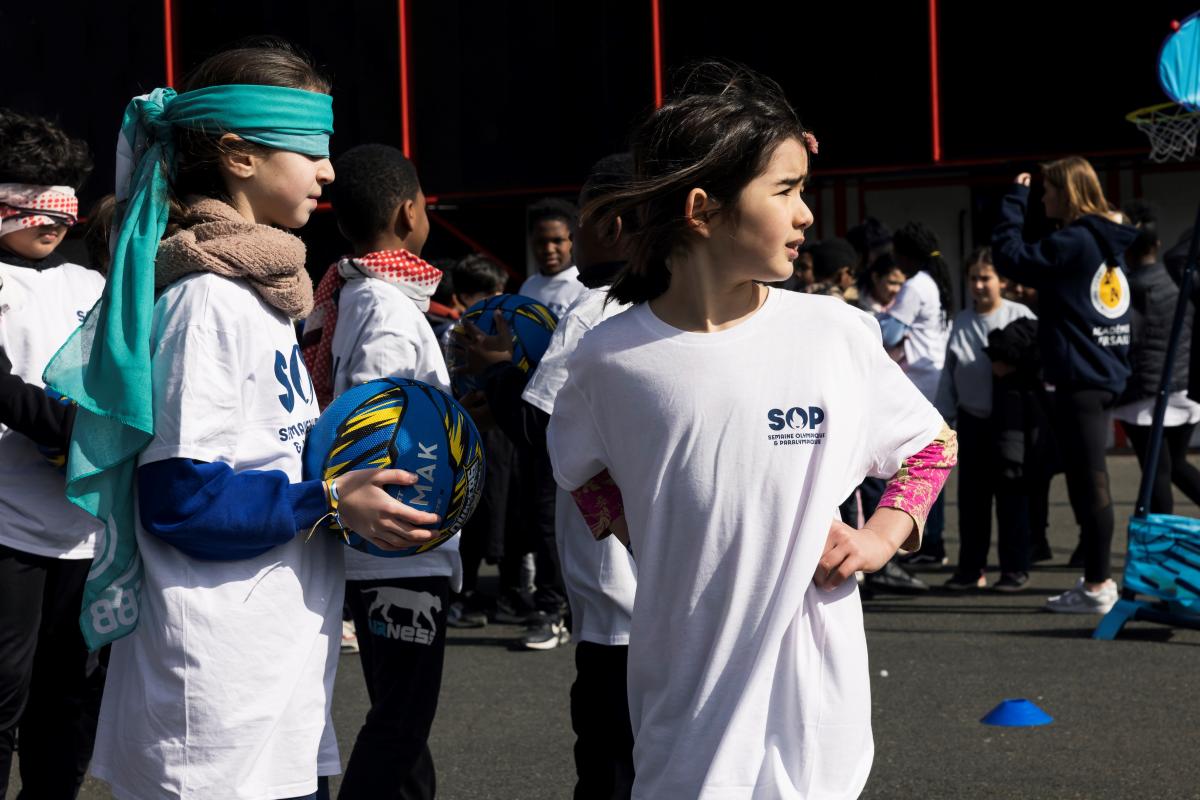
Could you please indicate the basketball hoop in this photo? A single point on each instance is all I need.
(1171, 128)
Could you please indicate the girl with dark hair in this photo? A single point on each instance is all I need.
(919, 323)
(920, 317)
(1153, 298)
(1083, 332)
(714, 428)
(880, 285)
(965, 396)
(191, 388)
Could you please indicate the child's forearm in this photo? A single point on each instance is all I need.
(32, 412)
(916, 486)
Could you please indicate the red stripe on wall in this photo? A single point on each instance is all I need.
(169, 39)
(935, 100)
(405, 118)
(656, 24)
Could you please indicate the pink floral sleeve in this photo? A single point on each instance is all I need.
(599, 500)
(916, 486)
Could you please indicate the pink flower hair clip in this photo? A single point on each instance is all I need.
(810, 142)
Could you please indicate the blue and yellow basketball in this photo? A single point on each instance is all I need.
(397, 423)
(532, 325)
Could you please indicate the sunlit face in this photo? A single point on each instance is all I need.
(986, 286)
(550, 241)
(885, 288)
(762, 241)
(286, 186)
(35, 243)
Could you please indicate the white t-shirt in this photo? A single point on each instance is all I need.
(966, 380)
(223, 689)
(732, 451)
(381, 333)
(600, 577)
(919, 307)
(38, 311)
(556, 292)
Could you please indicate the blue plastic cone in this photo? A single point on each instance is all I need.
(1017, 713)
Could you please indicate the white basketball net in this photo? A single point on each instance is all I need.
(1172, 131)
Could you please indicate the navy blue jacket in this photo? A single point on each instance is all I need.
(1083, 311)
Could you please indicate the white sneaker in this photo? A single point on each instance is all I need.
(1081, 601)
(349, 637)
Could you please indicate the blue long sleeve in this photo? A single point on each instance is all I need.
(893, 330)
(1032, 264)
(212, 513)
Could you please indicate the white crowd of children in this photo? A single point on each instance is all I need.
(700, 421)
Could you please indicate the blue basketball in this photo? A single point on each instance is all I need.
(398, 423)
(532, 325)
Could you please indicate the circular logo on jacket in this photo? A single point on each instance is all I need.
(1110, 291)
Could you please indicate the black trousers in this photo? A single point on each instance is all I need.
(979, 480)
(50, 686)
(538, 494)
(600, 719)
(1081, 423)
(496, 520)
(401, 626)
(1173, 466)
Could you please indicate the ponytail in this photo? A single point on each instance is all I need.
(918, 244)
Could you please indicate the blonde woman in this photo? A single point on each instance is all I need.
(1083, 334)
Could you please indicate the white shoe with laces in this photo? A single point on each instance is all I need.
(1079, 600)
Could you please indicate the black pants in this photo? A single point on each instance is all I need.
(496, 520)
(401, 625)
(979, 480)
(538, 494)
(1173, 466)
(50, 686)
(872, 492)
(1081, 423)
(1042, 463)
(600, 719)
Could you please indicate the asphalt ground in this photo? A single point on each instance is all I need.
(1126, 713)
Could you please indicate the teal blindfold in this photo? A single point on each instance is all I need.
(273, 116)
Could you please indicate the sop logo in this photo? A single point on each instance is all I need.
(795, 418)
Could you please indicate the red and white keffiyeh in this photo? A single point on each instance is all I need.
(28, 205)
(417, 278)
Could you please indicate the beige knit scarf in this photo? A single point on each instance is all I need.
(217, 239)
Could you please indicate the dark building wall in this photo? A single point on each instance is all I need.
(511, 95)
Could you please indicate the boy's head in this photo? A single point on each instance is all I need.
(590, 244)
(987, 287)
(477, 278)
(833, 263)
(41, 168)
(802, 267)
(378, 201)
(1145, 247)
(870, 240)
(550, 222)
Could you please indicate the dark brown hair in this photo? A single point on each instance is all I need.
(35, 150)
(717, 133)
(261, 61)
(918, 245)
